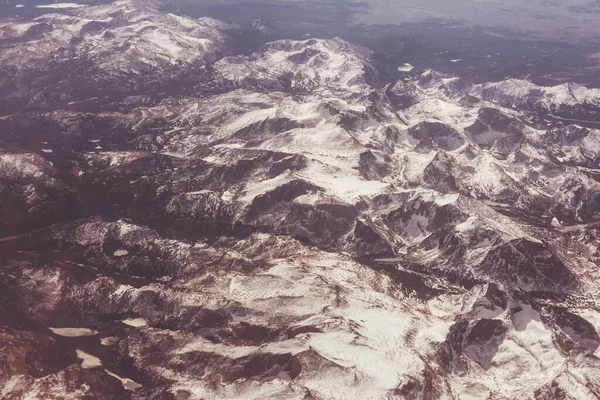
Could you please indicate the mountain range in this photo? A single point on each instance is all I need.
(179, 220)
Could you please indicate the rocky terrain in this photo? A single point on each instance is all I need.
(182, 221)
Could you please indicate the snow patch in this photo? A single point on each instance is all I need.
(88, 360)
(127, 383)
(73, 332)
(109, 341)
(60, 5)
(135, 322)
(476, 391)
(446, 199)
(467, 225)
(406, 67)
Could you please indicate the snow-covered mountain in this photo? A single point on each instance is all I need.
(302, 230)
(565, 99)
(125, 37)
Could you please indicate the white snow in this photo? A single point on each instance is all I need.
(336, 68)
(122, 289)
(109, 341)
(88, 360)
(204, 191)
(147, 37)
(516, 92)
(346, 186)
(23, 165)
(60, 5)
(135, 322)
(370, 336)
(443, 200)
(127, 383)
(475, 391)
(227, 195)
(126, 227)
(406, 67)
(436, 108)
(469, 224)
(73, 332)
(358, 338)
(176, 129)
